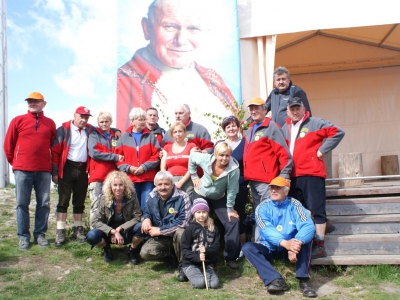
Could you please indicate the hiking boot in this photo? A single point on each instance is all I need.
(182, 276)
(173, 262)
(107, 253)
(233, 264)
(329, 227)
(60, 237)
(306, 288)
(318, 249)
(23, 244)
(41, 241)
(78, 234)
(277, 285)
(133, 255)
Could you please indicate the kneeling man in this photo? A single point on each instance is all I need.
(165, 216)
(286, 230)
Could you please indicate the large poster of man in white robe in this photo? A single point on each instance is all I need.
(172, 52)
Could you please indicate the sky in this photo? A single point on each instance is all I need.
(65, 50)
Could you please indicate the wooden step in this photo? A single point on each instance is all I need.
(363, 206)
(362, 244)
(380, 187)
(364, 200)
(350, 260)
(366, 224)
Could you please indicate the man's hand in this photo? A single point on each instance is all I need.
(54, 178)
(292, 256)
(154, 231)
(121, 158)
(320, 155)
(132, 170)
(195, 149)
(146, 225)
(202, 257)
(117, 134)
(202, 249)
(292, 245)
(139, 171)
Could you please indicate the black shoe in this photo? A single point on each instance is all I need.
(107, 253)
(133, 255)
(329, 227)
(78, 234)
(318, 249)
(181, 276)
(173, 262)
(277, 285)
(233, 264)
(306, 288)
(60, 237)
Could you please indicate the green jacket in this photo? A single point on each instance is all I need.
(227, 182)
(131, 212)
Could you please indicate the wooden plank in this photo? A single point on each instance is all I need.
(362, 238)
(362, 248)
(362, 209)
(360, 191)
(353, 260)
(365, 228)
(374, 200)
(365, 218)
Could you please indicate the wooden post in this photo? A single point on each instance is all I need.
(390, 165)
(328, 167)
(350, 165)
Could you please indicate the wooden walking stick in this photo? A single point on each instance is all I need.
(205, 275)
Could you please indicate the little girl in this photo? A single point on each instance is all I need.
(200, 242)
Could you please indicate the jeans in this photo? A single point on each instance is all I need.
(143, 190)
(94, 236)
(259, 192)
(196, 276)
(260, 258)
(24, 181)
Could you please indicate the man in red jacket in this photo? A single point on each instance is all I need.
(70, 167)
(305, 136)
(265, 155)
(27, 147)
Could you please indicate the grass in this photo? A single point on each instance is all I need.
(75, 271)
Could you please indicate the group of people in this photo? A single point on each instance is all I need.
(153, 189)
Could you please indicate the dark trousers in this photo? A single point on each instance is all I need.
(231, 236)
(75, 182)
(94, 236)
(260, 257)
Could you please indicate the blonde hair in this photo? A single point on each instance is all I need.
(106, 115)
(209, 222)
(222, 147)
(177, 124)
(129, 191)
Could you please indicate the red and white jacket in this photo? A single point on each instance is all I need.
(102, 155)
(266, 154)
(309, 140)
(145, 154)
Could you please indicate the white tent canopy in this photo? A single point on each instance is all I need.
(344, 54)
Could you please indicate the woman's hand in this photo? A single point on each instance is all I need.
(119, 238)
(233, 214)
(197, 183)
(121, 157)
(179, 184)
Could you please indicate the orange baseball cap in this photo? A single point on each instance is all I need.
(256, 101)
(35, 96)
(280, 181)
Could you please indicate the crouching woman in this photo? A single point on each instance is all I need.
(117, 219)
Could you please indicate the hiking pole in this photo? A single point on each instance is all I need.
(205, 275)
